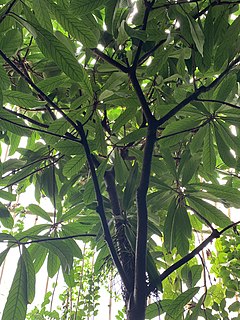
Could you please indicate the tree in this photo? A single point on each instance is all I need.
(130, 115)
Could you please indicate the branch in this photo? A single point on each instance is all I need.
(111, 61)
(23, 116)
(213, 4)
(151, 51)
(142, 222)
(214, 235)
(144, 26)
(100, 208)
(51, 239)
(195, 95)
(67, 137)
(146, 110)
(219, 101)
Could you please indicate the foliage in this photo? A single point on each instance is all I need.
(125, 116)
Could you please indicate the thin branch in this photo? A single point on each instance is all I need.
(19, 242)
(214, 235)
(213, 4)
(201, 217)
(31, 173)
(67, 137)
(150, 52)
(100, 208)
(8, 10)
(169, 4)
(144, 26)
(194, 96)
(108, 59)
(219, 101)
(147, 112)
(23, 116)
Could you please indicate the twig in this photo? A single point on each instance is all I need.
(214, 235)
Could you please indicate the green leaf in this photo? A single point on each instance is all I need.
(30, 274)
(74, 165)
(127, 115)
(13, 124)
(42, 14)
(71, 213)
(70, 147)
(120, 168)
(3, 255)
(77, 28)
(227, 194)
(101, 144)
(131, 187)
(133, 136)
(35, 209)
(52, 48)
(197, 34)
(16, 305)
(21, 99)
(5, 217)
(209, 156)
(209, 212)
(4, 79)
(11, 47)
(176, 308)
(53, 264)
(169, 226)
(82, 7)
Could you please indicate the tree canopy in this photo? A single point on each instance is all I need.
(125, 114)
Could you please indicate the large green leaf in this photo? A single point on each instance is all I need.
(30, 274)
(5, 217)
(209, 212)
(35, 209)
(16, 305)
(197, 34)
(77, 28)
(82, 7)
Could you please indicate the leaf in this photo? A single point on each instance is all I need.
(52, 48)
(133, 136)
(209, 212)
(5, 217)
(11, 47)
(101, 144)
(82, 7)
(120, 168)
(197, 34)
(70, 147)
(209, 157)
(13, 124)
(16, 305)
(74, 165)
(77, 28)
(176, 308)
(225, 193)
(42, 14)
(3, 255)
(35, 209)
(30, 274)
(127, 115)
(71, 213)
(53, 264)
(21, 99)
(131, 187)
(169, 226)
